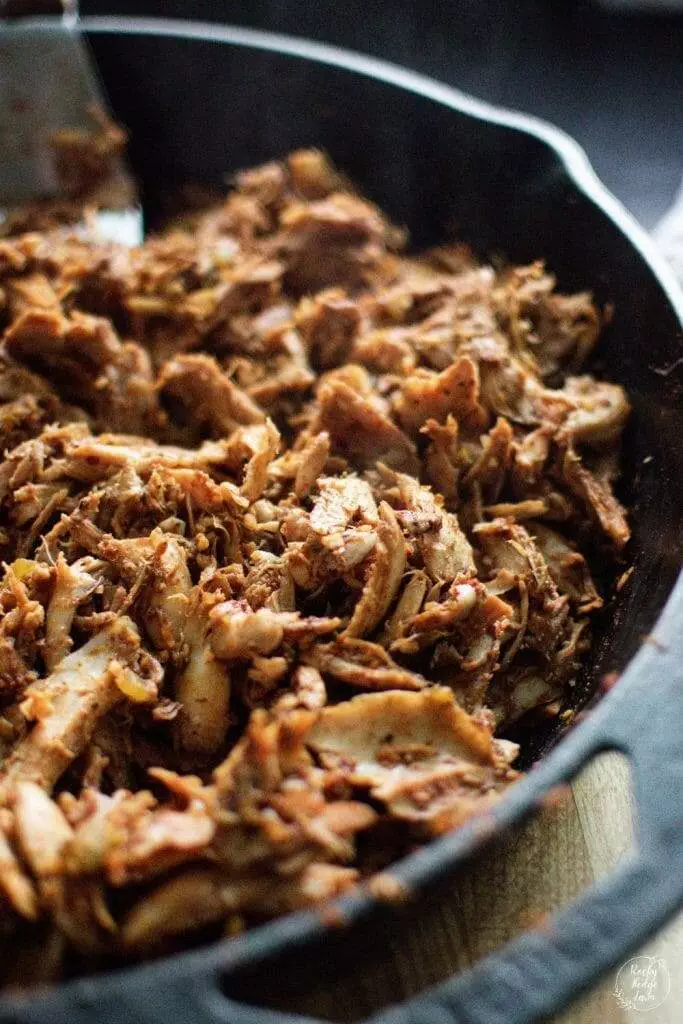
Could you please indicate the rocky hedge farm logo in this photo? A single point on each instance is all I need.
(642, 983)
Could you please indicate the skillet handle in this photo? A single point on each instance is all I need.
(176, 998)
(538, 973)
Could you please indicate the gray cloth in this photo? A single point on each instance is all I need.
(643, 5)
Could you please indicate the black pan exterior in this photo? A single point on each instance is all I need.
(203, 101)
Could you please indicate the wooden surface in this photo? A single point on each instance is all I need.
(527, 874)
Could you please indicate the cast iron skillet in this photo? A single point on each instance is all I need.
(201, 100)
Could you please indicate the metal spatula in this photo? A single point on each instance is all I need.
(48, 83)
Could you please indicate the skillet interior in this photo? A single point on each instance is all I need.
(190, 104)
(198, 110)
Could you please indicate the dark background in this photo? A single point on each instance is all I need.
(614, 81)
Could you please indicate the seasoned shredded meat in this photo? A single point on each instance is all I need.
(294, 526)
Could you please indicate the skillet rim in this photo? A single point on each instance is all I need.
(573, 157)
(422, 869)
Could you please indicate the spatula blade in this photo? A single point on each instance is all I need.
(47, 83)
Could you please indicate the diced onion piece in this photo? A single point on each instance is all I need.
(132, 686)
(21, 567)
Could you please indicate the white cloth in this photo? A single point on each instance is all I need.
(669, 235)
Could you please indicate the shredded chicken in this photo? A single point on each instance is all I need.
(293, 526)
(63, 709)
(420, 754)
